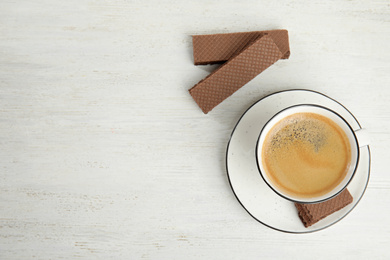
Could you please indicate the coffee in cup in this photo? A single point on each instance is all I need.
(307, 153)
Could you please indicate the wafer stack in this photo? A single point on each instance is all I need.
(235, 73)
(244, 56)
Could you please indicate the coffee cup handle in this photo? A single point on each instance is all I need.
(362, 137)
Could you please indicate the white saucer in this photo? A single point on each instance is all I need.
(252, 192)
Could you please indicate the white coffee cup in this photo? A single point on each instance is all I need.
(336, 118)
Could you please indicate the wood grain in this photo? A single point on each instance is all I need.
(104, 154)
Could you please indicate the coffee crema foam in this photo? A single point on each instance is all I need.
(306, 155)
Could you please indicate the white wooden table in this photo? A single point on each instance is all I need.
(105, 155)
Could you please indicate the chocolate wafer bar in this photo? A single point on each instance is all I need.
(312, 213)
(235, 73)
(219, 48)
